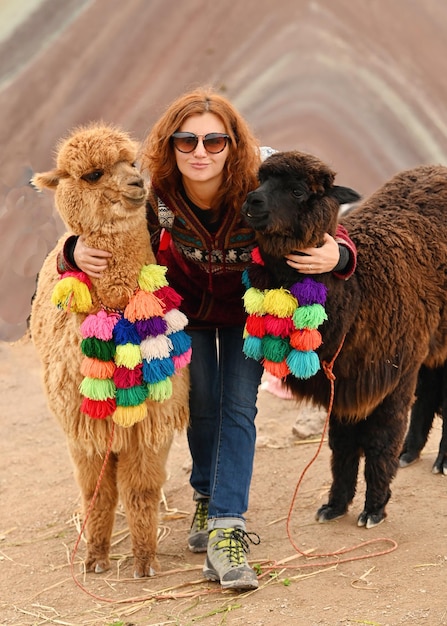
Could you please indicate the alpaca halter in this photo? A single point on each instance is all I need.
(130, 355)
(281, 327)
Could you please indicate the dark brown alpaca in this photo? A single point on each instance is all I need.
(391, 313)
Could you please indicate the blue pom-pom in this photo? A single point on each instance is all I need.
(253, 348)
(125, 332)
(303, 364)
(157, 370)
(181, 342)
(246, 279)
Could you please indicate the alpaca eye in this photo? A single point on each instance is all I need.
(93, 177)
(298, 193)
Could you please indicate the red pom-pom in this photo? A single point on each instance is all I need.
(124, 377)
(98, 409)
(255, 325)
(256, 256)
(170, 298)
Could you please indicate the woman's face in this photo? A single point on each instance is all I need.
(199, 165)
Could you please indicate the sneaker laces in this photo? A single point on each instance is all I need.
(236, 545)
(200, 519)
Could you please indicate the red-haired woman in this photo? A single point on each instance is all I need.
(202, 159)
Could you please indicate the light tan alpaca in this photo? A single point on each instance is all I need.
(100, 194)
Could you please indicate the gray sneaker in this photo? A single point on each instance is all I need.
(198, 533)
(226, 560)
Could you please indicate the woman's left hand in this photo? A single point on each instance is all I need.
(316, 260)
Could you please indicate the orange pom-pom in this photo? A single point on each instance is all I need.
(143, 305)
(279, 370)
(306, 339)
(95, 368)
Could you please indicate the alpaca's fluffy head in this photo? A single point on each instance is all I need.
(296, 202)
(95, 178)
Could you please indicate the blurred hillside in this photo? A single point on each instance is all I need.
(361, 84)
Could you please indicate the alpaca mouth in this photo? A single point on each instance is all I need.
(135, 199)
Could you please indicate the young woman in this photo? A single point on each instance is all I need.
(202, 160)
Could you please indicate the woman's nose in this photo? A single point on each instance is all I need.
(200, 148)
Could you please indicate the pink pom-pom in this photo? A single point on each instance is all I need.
(99, 325)
(278, 326)
(182, 360)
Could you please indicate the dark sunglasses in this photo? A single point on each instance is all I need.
(212, 142)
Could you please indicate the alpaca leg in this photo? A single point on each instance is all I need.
(427, 403)
(382, 437)
(141, 475)
(440, 464)
(343, 441)
(101, 518)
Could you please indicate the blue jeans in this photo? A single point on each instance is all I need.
(222, 432)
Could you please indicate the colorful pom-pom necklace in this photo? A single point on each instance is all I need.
(281, 329)
(129, 356)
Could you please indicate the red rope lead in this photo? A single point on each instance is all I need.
(331, 377)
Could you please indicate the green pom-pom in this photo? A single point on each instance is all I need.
(310, 316)
(160, 391)
(275, 349)
(98, 349)
(132, 396)
(97, 388)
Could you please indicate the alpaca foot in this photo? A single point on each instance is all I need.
(407, 458)
(151, 572)
(369, 520)
(440, 465)
(97, 565)
(327, 513)
(143, 568)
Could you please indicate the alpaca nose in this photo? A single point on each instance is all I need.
(137, 182)
(254, 205)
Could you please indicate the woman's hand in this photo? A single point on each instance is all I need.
(90, 260)
(316, 260)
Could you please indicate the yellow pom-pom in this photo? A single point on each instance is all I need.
(72, 294)
(254, 301)
(280, 302)
(128, 355)
(152, 277)
(129, 415)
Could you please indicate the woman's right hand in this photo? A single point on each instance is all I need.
(90, 260)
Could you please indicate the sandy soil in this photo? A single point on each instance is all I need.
(39, 530)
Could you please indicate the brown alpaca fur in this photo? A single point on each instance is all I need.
(392, 311)
(101, 195)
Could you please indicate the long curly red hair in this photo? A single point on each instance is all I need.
(242, 163)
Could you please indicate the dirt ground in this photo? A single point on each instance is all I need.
(39, 529)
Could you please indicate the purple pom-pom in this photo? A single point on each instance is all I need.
(309, 291)
(151, 327)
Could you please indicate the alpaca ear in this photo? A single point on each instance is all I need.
(49, 180)
(344, 195)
